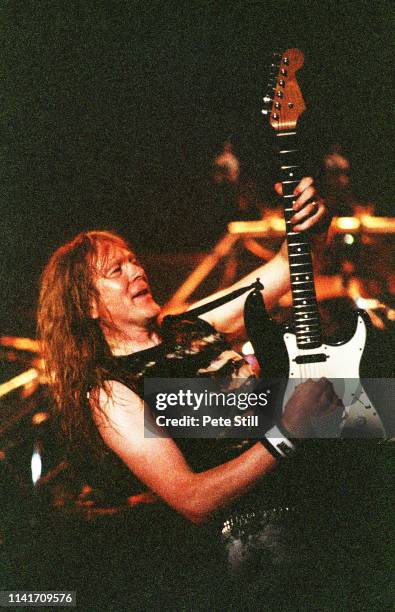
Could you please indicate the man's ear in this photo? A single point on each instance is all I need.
(94, 311)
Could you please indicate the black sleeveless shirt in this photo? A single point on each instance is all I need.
(189, 348)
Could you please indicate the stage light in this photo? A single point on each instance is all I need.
(40, 417)
(349, 239)
(348, 223)
(36, 465)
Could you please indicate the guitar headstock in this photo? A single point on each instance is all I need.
(284, 101)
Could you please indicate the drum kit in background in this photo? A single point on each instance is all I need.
(355, 271)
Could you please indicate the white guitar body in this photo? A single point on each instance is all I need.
(341, 367)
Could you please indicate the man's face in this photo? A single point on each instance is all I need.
(125, 299)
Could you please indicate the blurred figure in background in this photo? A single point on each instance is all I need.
(227, 166)
(336, 183)
(235, 198)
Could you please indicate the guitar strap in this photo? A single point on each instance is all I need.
(199, 310)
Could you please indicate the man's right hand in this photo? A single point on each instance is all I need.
(311, 399)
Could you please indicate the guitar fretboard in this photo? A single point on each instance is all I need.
(306, 314)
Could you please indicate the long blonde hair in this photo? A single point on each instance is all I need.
(76, 354)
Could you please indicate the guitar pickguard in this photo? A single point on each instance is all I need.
(340, 364)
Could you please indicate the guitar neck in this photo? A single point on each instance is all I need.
(306, 314)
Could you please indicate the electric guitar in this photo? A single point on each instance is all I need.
(305, 353)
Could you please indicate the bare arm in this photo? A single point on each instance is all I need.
(158, 462)
(274, 275)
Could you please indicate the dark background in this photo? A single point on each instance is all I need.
(112, 113)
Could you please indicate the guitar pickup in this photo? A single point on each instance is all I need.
(311, 358)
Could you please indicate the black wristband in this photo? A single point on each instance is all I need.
(270, 448)
(277, 443)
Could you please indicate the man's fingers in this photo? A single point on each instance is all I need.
(334, 404)
(303, 185)
(326, 382)
(278, 188)
(307, 211)
(311, 220)
(328, 401)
